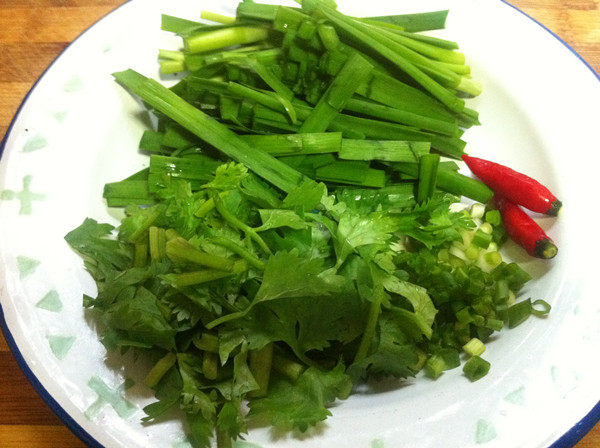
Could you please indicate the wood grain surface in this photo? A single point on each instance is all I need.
(33, 32)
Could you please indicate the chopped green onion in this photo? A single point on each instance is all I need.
(494, 324)
(493, 258)
(477, 211)
(464, 316)
(435, 366)
(519, 312)
(474, 347)
(476, 368)
(493, 217)
(482, 239)
(472, 252)
(502, 292)
(545, 308)
(486, 227)
(171, 55)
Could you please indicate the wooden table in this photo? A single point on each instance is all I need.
(33, 32)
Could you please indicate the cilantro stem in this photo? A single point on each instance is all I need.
(260, 366)
(210, 365)
(207, 342)
(140, 255)
(239, 250)
(157, 239)
(178, 249)
(160, 369)
(238, 224)
(287, 367)
(224, 439)
(194, 278)
(143, 227)
(369, 332)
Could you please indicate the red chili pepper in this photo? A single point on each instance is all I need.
(517, 187)
(524, 231)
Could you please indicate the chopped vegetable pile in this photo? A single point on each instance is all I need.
(296, 232)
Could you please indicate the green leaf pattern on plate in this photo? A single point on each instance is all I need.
(34, 143)
(112, 397)
(26, 266)
(484, 431)
(60, 345)
(50, 302)
(25, 197)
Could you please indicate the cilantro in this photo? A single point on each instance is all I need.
(302, 404)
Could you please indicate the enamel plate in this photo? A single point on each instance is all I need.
(78, 129)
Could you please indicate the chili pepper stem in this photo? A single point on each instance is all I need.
(554, 208)
(545, 249)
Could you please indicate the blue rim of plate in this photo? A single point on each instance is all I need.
(567, 440)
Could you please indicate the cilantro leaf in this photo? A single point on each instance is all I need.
(273, 218)
(231, 420)
(227, 177)
(287, 275)
(167, 392)
(302, 404)
(305, 197)
(102, 255)
(394, 355)
(193, 399)
(423, 307)
(141, 320)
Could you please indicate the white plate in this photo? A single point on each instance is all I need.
(77, 130)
